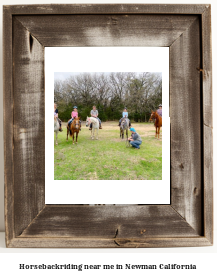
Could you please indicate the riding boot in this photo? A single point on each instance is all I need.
(90, 128)
(100, 127)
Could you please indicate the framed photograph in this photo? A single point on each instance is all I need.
(132, 86)
(105, 42)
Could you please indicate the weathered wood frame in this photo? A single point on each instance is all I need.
(186, 29)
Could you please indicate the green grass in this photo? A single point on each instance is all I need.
(108, 158)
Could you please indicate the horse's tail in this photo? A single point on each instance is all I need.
(70, 132)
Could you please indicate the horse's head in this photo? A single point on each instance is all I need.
(153, 115)
(76, 123)
(87, 121)
(124, 123)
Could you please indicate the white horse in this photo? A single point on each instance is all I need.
(95, 126)
(56, 128)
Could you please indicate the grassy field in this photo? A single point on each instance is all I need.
(108, 158)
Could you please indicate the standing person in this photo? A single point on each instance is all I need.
(124, 115)
(56, 115)
(94, 113)
(135, 139)
(74, 115)
(159, 111)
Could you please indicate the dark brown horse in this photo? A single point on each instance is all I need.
(74, 127)
(158, 122)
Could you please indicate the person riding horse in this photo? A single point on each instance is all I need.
(74, 115)
(159, 111)
(124, 115)
(94, 113)
(56, 116)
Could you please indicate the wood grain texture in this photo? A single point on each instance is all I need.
(107, 30)
(208, 182)
(185, 116)
(29, 139)
(207, 66)
(106, 9)
(207, 122)
(108, 243)
(8, 125)
(109, 222)
(29, 223)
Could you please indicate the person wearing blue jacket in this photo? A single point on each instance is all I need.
(124, 115)
(135, 139)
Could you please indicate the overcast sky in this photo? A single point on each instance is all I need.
(65, 75)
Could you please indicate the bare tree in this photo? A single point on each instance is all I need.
(111, 92)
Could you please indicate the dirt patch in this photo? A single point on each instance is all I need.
(92, 176)
(118, 140)
(60, 156)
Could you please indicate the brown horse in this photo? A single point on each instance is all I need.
(74, 127)
(158, 122)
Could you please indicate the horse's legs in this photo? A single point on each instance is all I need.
(156, 133)
(73, 138)
(97, 131)
(92, 133)
(159, 132)
(56, 138)
(76, 137)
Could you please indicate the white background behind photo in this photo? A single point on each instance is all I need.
(204, 257)
(105, 59)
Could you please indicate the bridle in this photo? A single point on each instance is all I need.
(88, 120)
(123, 123)
(76, 124)
(153, 116)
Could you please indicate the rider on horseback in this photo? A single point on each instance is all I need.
(124, 115)
(94, 113)
(56, 116)
(74, 115)
(159, 111)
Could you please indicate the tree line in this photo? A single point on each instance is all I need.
(110, 93)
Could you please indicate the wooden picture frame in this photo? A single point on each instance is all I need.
(186, 30)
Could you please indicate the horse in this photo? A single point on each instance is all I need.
(56, 128)
(73, 128)
(124, 126)
(95, 126)
(157, 124)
